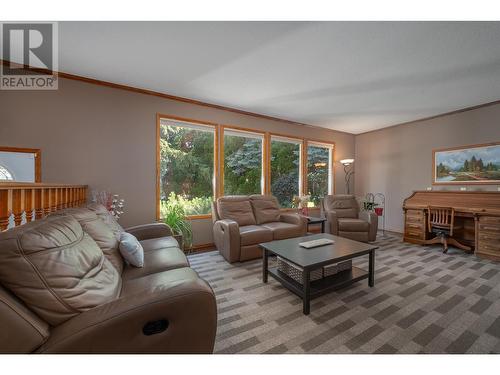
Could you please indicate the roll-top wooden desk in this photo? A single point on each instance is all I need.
(477, 211)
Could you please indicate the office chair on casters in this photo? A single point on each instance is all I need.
(441, 221)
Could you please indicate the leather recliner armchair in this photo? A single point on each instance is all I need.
(241, 223)
(344, 218)
(64, 288)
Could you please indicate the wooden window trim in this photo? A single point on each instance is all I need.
(210, 125)
(38, 158)
(265, 155)
(331, 167)
(302, 176)
(198, 217)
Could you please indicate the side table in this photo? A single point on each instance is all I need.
(316, 220)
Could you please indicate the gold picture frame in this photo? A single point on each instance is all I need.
(477, 164)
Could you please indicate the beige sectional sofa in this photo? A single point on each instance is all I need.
(241, 222)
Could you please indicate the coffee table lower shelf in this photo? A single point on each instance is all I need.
(322, 286)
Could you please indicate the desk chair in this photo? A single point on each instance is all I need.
(441, 221)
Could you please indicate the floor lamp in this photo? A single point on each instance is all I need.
(348, 170)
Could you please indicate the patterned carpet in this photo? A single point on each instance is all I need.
(423, 302)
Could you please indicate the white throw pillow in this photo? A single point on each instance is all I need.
(131, 250)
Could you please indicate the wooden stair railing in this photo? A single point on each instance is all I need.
(33, 201)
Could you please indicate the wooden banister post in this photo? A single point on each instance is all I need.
(17, 208)
(65, 198)
(53, 199)
(28, 204)
(38, 204)
(46, 202)
(59, 194)
(4, 209)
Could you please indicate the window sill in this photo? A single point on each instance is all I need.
(199, 217)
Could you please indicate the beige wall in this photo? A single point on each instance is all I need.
(398, 160)
(106, 138)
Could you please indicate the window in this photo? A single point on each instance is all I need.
(20, 164)
(186, 166)
(319, 171)
(242, 163)
(198, 162)
(285, 169)
(5, 175)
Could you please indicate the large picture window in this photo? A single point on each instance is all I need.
(285, 169)
(242, 163)
(186, 166)
(198, 162)
(319, 171)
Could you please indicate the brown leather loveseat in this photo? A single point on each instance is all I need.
(241, 222)
(64, 288)
(344, 218)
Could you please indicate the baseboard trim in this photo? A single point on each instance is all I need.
(391, 231)
(202, 248)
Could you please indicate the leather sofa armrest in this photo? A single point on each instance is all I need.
(372, 218)
(176, 318)
(332, 225)
(148, 231)
(21, 331)
(227, 239)
(295, 219)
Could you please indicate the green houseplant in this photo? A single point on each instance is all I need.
(369, 205)
(174, 215)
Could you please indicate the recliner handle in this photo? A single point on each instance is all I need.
(155, 327)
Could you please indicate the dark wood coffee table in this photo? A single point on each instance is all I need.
(311, 259)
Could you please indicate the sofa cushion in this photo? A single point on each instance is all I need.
(254, 234)
(355, 236)
(237, 208)
(353, 225)
(157, 261)
(265, 208)
(345, 206)
(159, 243)
(282, 230)
(56, 268)
(165, 279)
(101, 233)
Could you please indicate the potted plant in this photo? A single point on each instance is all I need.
(369, 205)
(174, 215)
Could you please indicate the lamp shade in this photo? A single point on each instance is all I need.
(347, 161)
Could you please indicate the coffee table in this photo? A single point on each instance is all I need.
(310, 259)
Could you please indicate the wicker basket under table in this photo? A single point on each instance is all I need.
(295, 272)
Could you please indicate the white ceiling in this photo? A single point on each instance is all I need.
(349, 76)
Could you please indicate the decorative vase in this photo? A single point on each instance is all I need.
(379, 211)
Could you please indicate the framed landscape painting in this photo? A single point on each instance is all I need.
(477, 164)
